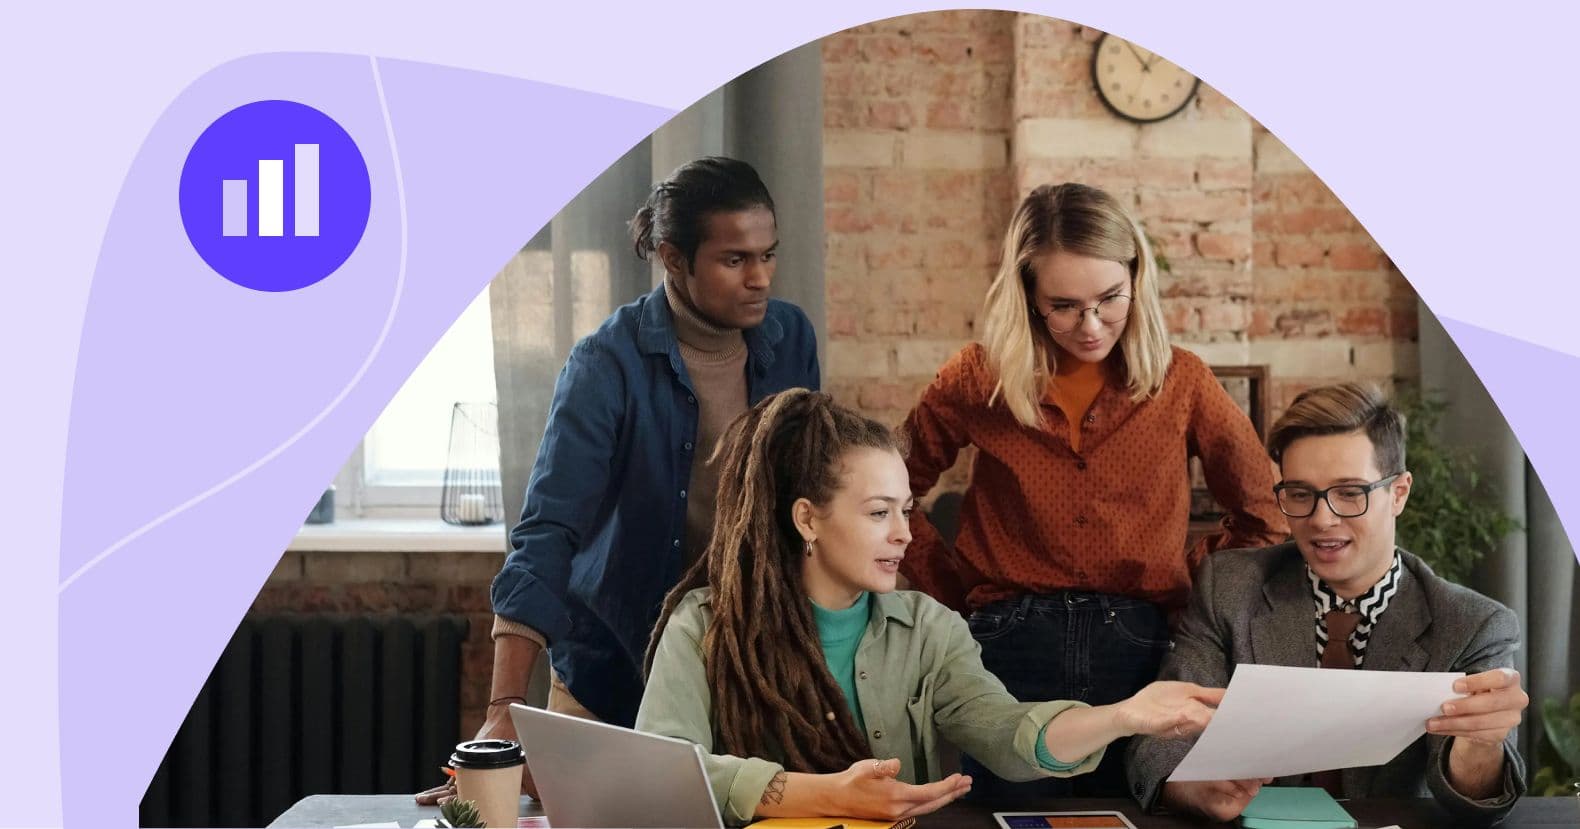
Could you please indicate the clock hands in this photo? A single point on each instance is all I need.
(1146, 65)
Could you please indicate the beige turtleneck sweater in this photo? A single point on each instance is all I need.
(715, 359)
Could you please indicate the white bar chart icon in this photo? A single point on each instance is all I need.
(234, 222)
(271, 197)
(306, 190)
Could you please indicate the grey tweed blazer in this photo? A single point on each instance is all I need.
(1255, 606)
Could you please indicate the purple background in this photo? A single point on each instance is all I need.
(204, 418)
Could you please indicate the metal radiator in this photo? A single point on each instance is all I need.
(313, 704)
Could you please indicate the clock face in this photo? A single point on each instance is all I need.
(1138, 84)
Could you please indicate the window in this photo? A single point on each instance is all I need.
(398, 469)
(572, 273)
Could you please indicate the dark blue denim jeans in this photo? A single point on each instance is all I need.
(1091, 647)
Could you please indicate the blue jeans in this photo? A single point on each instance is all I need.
(1092, 647)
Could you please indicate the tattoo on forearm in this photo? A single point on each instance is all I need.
(775, 793)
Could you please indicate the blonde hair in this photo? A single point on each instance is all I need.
(1085, 221)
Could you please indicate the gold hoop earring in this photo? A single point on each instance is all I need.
(809, 548)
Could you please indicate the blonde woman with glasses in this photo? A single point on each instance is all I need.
(1071, 552)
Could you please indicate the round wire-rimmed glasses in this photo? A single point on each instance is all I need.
(1344, 500)
(1063, 318)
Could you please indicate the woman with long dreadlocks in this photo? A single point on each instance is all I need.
(815, 687)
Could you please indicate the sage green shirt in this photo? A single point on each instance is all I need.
(919, 677)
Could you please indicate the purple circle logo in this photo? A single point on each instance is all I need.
(275, 195)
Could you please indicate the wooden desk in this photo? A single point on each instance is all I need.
(1530, 813)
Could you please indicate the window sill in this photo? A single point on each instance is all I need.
(392, 535)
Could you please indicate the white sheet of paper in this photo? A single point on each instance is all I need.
(1276, 721)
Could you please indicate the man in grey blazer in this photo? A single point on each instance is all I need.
(1343, 596)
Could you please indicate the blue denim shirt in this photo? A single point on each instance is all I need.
(599, 541)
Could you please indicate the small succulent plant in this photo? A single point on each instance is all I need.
(460, 814)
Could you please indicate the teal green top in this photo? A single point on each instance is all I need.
(841, 631)
(922, 682)
(1046, 759)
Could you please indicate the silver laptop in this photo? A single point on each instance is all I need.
(595, 775)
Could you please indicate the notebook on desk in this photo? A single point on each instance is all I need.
(1295, 807)
(828, 822)
(595, 775)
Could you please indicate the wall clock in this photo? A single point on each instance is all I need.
(1137, 84)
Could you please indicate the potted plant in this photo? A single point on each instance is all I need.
(1559, 751)
(1453, 519)
(459, 814)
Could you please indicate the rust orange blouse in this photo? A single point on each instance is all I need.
(1040, 517)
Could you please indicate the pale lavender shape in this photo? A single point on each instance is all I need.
(184, 378)
(1531, 386)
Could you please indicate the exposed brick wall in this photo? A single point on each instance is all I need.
(917, 187)
(341, 582)
(1329, 305)
(1266, 266)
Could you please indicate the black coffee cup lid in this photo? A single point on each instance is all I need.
(487, 754)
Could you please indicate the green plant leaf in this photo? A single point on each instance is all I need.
(1563, 732)
(460, 814)
(1453, 519)
(1544, 780)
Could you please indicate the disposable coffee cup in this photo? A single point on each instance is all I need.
(488, 773)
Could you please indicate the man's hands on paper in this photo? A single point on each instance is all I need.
(1493, 707)
(1220, 800)
(1477, 724)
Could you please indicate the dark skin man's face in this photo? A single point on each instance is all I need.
(729, 279)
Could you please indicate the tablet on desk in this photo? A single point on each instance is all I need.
(1062, 820)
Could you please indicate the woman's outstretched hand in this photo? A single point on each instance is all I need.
(869, 789)
(1175, 710)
